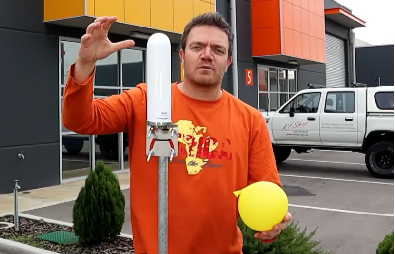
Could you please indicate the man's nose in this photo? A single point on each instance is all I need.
(207, 53)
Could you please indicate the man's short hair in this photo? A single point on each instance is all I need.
(208, 19)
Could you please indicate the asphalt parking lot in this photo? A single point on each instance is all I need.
(334, 192)
(329, 190)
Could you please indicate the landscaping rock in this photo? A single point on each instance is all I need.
(29, 229)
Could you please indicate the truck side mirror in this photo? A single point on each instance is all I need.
(292, 112)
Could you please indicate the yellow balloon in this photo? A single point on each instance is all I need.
(262, 205)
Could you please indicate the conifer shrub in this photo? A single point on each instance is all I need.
(99, 211)
(292, 240)
(386, 246)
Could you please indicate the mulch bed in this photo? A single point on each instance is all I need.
(29, 229)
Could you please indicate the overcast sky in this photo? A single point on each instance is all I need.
(378, 16)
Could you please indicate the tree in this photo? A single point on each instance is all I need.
(99, 211)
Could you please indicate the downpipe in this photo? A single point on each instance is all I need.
(235, 76)
(352, 46)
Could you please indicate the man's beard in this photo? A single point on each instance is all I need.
(202, 80)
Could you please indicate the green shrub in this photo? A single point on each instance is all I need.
(99, 211)
(386, 246)
(292, 240)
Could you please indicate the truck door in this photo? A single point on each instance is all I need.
(339, 119)
(298, 121)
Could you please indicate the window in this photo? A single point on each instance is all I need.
(132, 61)
(263, 95)
(106, 77)
(275, 87)
(340, 102)
(69, 52)
(303, 103)
(384, 100)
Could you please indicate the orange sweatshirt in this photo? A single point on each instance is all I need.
(224, 145)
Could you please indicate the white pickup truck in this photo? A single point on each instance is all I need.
(357, 118)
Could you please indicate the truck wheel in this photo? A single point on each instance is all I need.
(281, 153)
(109, 150)
(379, 159)
(73, 146)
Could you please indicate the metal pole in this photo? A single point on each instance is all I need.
(16, 215)
(235, 74)
(162, 142)
(162, 204)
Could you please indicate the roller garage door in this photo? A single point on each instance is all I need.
(335, 61)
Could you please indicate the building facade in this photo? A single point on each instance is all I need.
(375, 65)
(282, 45)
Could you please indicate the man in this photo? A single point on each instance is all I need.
(224, 143)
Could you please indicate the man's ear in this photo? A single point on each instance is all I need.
(181, 54)
(229, 61)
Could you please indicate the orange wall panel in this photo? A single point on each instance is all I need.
(212, 7)
(62, 9)
(183, 12)
(294, 28)
(265, 26)
(297, 43)
(162, 14)
(200, 7)
(303, 29)
(110, 8)
(90, 8)
(297, 18)
(140, 16)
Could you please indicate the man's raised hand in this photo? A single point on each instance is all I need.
(95, 44)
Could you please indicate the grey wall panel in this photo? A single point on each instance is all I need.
(227, 80)
(307, 77)
(25, 15)
(319, 68)
(29, 88)
(336, 29)
(329, 4)
(39, 168)
(374, 62)
(248, 94)
(223, 8)
(244, 31)
(275, 64)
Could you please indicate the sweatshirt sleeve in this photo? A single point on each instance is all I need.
(85, 115)
(261, 162)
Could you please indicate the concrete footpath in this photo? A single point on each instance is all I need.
(64, 212)
(49, 196)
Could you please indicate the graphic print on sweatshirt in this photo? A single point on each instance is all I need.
(198, 150)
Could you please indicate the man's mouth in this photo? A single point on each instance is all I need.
(206, 67)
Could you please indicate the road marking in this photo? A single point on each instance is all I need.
(333, 162)
(337, 179)
(341, 211)
(334, 151)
